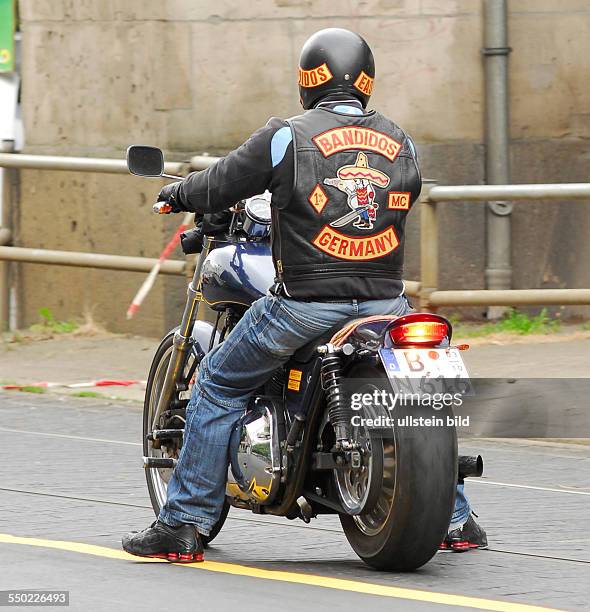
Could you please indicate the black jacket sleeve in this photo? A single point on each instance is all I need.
(243, 173)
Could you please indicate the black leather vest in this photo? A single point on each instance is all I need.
(342, 233)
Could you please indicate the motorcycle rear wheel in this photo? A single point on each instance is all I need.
(404, 529)
(157, 479)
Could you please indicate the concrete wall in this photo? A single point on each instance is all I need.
(201, 76)
(98, 213)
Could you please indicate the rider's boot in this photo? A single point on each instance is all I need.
(178, 544)
(466, 537)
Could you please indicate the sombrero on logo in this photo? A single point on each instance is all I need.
(362, 170)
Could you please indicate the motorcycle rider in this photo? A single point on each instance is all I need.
(342, 181)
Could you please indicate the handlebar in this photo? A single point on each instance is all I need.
(162, 208)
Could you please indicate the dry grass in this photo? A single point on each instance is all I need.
(51, 328)
(90, 327)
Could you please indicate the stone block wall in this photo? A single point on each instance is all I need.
(195, 77)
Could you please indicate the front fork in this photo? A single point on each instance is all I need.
(182, 337)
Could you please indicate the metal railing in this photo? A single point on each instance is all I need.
(90, 260)
(431, 297)
(91, 164)
(71, 258)
(426, 289)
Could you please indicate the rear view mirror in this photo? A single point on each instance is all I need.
(143, 160)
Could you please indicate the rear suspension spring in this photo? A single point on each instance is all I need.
(339, 409)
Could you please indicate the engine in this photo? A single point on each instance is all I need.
(254, 474)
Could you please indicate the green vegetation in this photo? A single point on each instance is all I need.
(26, 389)
(105, 396)
(586, 326)
(513, 322)
(33, 389)
(50, 324)
(516, 322)
(87, 394)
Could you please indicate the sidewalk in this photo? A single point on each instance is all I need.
(75, 359)
(71, 359)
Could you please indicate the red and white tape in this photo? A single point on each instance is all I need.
(80, 385)
(148, 283)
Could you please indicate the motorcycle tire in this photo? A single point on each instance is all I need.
(157, 478)
(405, 527)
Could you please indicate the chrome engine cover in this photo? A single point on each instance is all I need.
(254, 473)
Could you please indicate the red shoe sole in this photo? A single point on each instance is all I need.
(464, 546)
(175, 557)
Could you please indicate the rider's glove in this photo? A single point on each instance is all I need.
(169, 194)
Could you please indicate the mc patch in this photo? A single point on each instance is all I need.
(398, 200)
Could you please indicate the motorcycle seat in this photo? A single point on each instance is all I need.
(363, 328)
(307, 351)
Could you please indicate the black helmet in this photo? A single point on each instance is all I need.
(333, 61)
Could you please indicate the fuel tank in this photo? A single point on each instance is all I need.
(237, 274)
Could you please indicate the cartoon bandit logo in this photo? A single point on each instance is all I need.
(357, 182)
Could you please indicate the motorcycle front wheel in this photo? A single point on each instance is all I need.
(157, 479)
(403, 529)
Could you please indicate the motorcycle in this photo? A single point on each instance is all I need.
(303, 448)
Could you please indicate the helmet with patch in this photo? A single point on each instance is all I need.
(335, 60)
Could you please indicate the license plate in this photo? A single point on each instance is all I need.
(426, 370)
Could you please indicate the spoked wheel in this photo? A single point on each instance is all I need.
(409, 517)
(157, 479)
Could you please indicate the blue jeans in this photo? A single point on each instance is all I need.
(462, 509)
(264, 339)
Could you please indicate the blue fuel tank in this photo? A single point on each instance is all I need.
(237, 274)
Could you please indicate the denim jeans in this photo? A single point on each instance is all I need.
(264, 339)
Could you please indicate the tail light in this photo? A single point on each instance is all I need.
(420, 329)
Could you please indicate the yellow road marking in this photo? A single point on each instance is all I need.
(326, 582)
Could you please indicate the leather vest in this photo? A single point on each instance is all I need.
(342, 233)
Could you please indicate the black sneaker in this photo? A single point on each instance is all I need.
(178, 544)
(469, 536)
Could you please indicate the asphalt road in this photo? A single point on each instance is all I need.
(72, 484)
